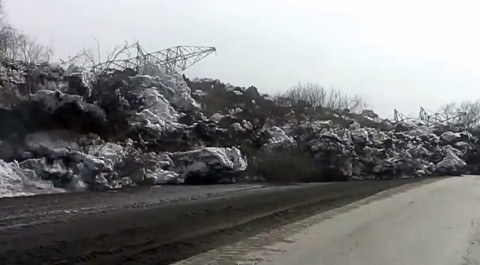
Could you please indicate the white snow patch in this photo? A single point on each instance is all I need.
(451, 162)
(216, 117)
(15, 181)
(180, 95)
(278, 138)
(111, 153)
(157, 114)
(202, 161)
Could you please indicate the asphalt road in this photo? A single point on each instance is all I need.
(161, 225)
(436, 223)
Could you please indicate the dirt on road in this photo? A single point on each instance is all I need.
(159, 226)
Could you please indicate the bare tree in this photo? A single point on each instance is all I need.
(92, 59)
(31, 52)
(314, 96)
(15, 46)
(465, 114)
(8, 42)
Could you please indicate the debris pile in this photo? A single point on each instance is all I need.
(62, 130)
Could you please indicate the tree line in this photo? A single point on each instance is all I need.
(16, 46)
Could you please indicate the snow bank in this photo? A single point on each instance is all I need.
(15, 181)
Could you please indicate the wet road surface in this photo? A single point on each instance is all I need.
(435, 223)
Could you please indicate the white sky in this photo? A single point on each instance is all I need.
(398, 54)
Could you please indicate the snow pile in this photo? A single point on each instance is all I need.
(277, 138)
(209, 162)
(156, 113)
(451, 164)
(125, 128)
(171, 86)
(15, 181)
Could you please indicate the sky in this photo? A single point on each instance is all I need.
(397, 54)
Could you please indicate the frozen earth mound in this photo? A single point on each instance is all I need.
(66, 130)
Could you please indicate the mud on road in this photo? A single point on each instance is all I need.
(159, 226)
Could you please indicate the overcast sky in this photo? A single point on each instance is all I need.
(397, 54)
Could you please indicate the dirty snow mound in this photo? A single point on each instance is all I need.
(15, 181)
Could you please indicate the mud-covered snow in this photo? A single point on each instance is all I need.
(73, 131)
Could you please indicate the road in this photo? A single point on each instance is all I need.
(33, 210)
(436, 223)
(161, 225)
